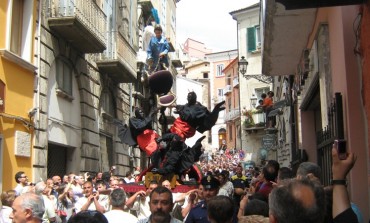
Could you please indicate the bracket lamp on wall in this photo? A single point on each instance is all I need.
(243, 63)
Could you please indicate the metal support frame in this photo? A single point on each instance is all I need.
(260, 77)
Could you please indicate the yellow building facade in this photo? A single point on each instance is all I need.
(17, 80)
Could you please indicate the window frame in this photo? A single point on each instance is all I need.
(253, 36)
(24, 14)
(220, 68)
(259, 91)
(61, 88)
(220, 92)
(107, 103)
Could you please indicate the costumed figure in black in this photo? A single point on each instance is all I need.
(139, 132)
(192, 117)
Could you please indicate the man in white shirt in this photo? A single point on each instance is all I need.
(49, 214)
(160, 202)
(92, 201)
(140, 201)
(27, 208)
(22, 181)
(128, 178)
(117, 214)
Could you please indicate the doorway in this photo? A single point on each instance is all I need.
(57, 160)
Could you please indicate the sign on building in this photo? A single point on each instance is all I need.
(268, 141)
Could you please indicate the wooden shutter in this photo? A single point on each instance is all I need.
(251, 39)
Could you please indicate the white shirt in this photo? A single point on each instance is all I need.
(4, 214)
(49, 210)
(77, 192)
(148, 34)
(117, 216)
(222, 191)
(142, 207)
(18, 189)
(146, 220)
(127, 180)
(103, 201)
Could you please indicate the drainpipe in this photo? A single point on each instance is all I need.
(131, 149)
(239, 79)
(38, 76)
(130, 26)
(38, 61)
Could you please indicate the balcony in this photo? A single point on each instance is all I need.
(218, 99)
(175, 59)
(236, 82)
(81, 23)
(254, 120)
(227, 90)
(232, 114)
(146, 7)
(119, 60)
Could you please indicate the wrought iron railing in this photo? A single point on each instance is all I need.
(122, 50)
(232, 114)
(86, 11)
(326, 136)
(227, 89)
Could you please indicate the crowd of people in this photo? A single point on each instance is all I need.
(227, 192)
(274, 194)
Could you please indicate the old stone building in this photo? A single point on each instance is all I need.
(88, 76)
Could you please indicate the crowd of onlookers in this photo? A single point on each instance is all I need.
(226, 193)
(223, 159)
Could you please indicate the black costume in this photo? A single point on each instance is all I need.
(139, 132)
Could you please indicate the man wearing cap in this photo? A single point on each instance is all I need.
(198, 214)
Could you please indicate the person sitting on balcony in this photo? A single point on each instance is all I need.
(157, 51)
(267, 106)
(148, 33)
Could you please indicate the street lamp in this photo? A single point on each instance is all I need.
(254, 100)
(243, 63)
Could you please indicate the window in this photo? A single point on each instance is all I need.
(258, 37)
(107, 103)
(230, 132)
(220, 92)
(260, 91)
(220, 95)
(253, 38)
(16, 28)
(21, 29)
(219, 73)
(64, 76)
(205, 75)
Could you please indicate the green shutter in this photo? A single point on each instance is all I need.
(251, 39)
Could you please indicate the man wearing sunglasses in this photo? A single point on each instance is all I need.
(22, 181)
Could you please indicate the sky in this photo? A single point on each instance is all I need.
(209, 22)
